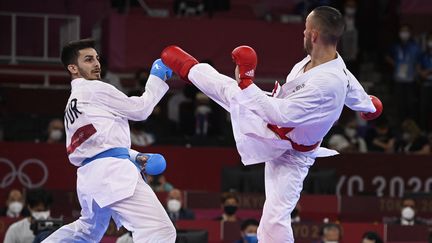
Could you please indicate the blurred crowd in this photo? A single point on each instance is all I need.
(33, 221)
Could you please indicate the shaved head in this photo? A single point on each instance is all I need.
(329, 22)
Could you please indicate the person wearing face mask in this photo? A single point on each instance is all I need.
(175, 209)
(380, 137)
(14, 205)
(412, 141)
(248, 231)
(38, 202)
(403, 58)
(229, 205)
(424, 69)
(347, 139)
(408, 213)
(55, 131)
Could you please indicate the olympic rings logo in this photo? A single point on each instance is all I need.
(23, 177)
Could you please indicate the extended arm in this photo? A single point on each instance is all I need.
(136, 107)
(358, 100)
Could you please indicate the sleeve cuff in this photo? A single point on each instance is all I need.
(155, 83)
(247, 95)
(133, 154)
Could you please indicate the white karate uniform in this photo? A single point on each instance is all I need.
(310, 102)
(96, 120)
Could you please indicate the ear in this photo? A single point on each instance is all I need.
(314, 36)
(72, 68)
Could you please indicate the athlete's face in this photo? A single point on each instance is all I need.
(307, 39)
(88, 65)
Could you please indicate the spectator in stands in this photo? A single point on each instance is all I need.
(413, 141)
(348, 139)
(380, 137)
(371, 237)
(14, 205)
(425, 72)
(159, 183)
(403, 58)
(160, 126)
(141, 76)
(248, 231)
(330, 233)
(349, 40)
(175, 206)
(38, 202)
(139, 137)
(55, 131)
(202, 114)
(408, 213)
(229, 205)
(185, 96)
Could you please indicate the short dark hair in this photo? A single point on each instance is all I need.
(39, 195)
(248, 222)
(228, 195)
(70, 51)
(370, 235)
(330, 23)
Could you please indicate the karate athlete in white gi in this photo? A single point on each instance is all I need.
(98, 142)
(284, 130)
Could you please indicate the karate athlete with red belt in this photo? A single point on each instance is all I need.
(284, 130)
(109, 183)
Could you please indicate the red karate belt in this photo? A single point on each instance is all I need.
(282, 131)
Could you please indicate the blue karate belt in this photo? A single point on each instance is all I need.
(121, 153)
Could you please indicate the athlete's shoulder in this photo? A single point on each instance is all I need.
(97, 85)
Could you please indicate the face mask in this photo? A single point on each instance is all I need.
(44, 215)
(174, 205)
(406, 136)
(251, 238)
(404, 35)
(203, 110)
(408, 213)
(56, 134)
(350, 132)
(350, 11)
(230, 210)
(15, 208)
